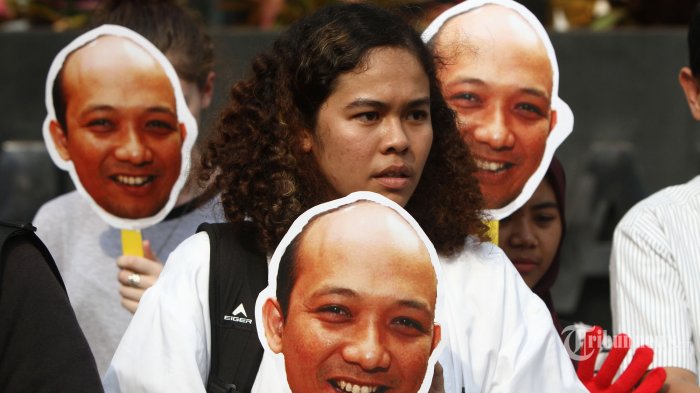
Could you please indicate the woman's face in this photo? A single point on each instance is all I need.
(530, 236)
(374, 131)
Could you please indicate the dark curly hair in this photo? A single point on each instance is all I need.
(255, 155)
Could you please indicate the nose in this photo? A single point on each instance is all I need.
(365, 348)
(493, 130)
(522, 233)
(395, 138)
(132, 148)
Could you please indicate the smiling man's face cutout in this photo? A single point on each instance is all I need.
(498, 73)
(118, 130)
(359, 311)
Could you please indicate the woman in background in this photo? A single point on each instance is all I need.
(532, 238)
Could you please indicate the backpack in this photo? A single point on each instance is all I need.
(10, 230)
(237, 274)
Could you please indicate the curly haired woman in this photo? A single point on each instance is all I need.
(347, 100)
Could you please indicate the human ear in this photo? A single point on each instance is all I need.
(207, 91)
(60, 139)
(306, 141)
(437, 336)
(274, 324)
(691, 90)
(552, 120)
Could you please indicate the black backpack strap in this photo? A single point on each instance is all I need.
(11, 230)
(237, 274)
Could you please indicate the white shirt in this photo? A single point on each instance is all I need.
(654, 275)
(501, 337)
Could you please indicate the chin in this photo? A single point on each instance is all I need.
(133, 214)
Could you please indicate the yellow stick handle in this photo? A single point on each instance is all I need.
(132, 243)
(493, 231)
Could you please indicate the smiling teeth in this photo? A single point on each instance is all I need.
(489, 166)
(132, 180)
(352, 388)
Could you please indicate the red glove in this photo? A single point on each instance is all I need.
(601, 382)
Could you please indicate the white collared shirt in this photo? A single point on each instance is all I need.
(655, 276)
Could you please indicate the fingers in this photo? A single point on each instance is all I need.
(140, 265)
(130, 297)
(129, 305)
(653, 381)
(136, 274)
(589, 353)
(635, 371)
(131, 293)
(144, 281)
(148, 252)
(621, 346)
(438, 383)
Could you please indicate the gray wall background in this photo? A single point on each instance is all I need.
(633, 134)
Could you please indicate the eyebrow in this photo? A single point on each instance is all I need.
(367, 102)
(535, 92)
(421, 306)
(335, 291)
(153, 109)
(545, 205)
(347, 292)
(527, 90)
(95, 108)
(161, 109)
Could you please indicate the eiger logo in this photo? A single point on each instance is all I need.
(239, 310)
(236, 316)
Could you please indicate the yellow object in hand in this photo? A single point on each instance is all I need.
(132, 243)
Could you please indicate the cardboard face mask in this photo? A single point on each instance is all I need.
(118, 123)
(353, 301)
(499, 73)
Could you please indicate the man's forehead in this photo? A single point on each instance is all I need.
(103, 50)
(360, 229)
(358, 222)
(364, 241)
(493, 33)
(487, 28)
(489, 19)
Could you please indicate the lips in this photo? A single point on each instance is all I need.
(349, 387)
(524, 265)
(395, 176)
(132, 181)
(492, 166)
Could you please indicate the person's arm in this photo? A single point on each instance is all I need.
(647, 293)
(501, 336)
(680, 380)
(166, 347)
(43, 348)
(532, 356)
